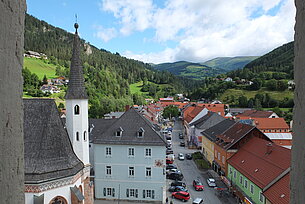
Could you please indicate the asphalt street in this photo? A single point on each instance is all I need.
(191, 172)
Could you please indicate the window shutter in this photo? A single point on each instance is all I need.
(136, 193)
(113, 193)
(104, 191)
(153, 194)
(127, 193)
(143, 193)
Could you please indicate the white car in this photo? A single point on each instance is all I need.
(211, 182)
(198, 201)
(180, 156)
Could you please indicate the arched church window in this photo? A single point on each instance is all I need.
(76, 110)
(85, 135)
(59, 200)
(77, 136)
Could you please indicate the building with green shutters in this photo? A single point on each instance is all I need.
(256, 167)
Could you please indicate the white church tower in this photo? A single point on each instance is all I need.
(77, 105)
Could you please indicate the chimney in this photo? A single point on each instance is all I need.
(127, 107)
(269, 148)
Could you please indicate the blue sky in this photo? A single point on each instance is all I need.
(159, 31)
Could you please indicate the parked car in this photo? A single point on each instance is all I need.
(175, 176)
(211, 182)
(180, 156)
(198, 201)
(181, 195)
(170, 156)
(181, 136)
(169, 161)
(169, 171)
(171, 166)
(169, 152)
(178, 183)
(177, 188)
(188, 156)
(169, 133)
(168, 138)
(197, 185)
(182, 144)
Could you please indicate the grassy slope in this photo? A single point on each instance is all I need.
(278, 95)
(230, 63)
(136, 88)
(39, 67)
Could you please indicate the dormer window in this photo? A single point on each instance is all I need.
(141, 132)
(119, 132)
(76, 110)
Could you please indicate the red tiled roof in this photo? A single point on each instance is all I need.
(233, 135)
(180, 105)
(280, 191)
(261, 168)
(216, 108)
(270, 123)
(191, 115)
(255, 114)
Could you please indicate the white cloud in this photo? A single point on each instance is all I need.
(205, 30)
(105, 34)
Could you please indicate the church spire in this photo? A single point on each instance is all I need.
(76, 88)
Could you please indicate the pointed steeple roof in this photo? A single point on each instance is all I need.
(76, 88)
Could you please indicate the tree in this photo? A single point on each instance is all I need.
(271, 85)
(170, 111)
(243, 101)
(45, 80)
(257, 84)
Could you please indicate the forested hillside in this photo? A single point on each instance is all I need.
(107, 75)
(264, 83)
(276, 64)
(189, 70)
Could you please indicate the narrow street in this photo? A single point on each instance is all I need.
(191, 172)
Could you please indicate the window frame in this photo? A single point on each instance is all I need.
(148, 152)
(148, 172)
(108, 151)
(108, 170)
(131, 171)
(131, 150)
(251, 188)
(76, 109)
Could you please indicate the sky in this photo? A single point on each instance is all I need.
(159, 31)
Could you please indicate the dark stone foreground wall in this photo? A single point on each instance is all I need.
(12, 14)
(297, 180)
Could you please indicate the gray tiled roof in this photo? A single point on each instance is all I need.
(208, 120)
(98, 126)
(217, 129)
(48, 153)
(76, 88)
(131, 122)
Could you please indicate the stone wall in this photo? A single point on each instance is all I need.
(12, 14)
(297, 194)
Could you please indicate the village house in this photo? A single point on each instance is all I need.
(275, 128)
(129, 160)
(209, 138)
(228, 143)
(49, 89)
(256, 114)
(259, 172)
(205, 122)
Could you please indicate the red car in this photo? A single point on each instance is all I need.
(198, 185)
(169, 161)
(181, 195)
